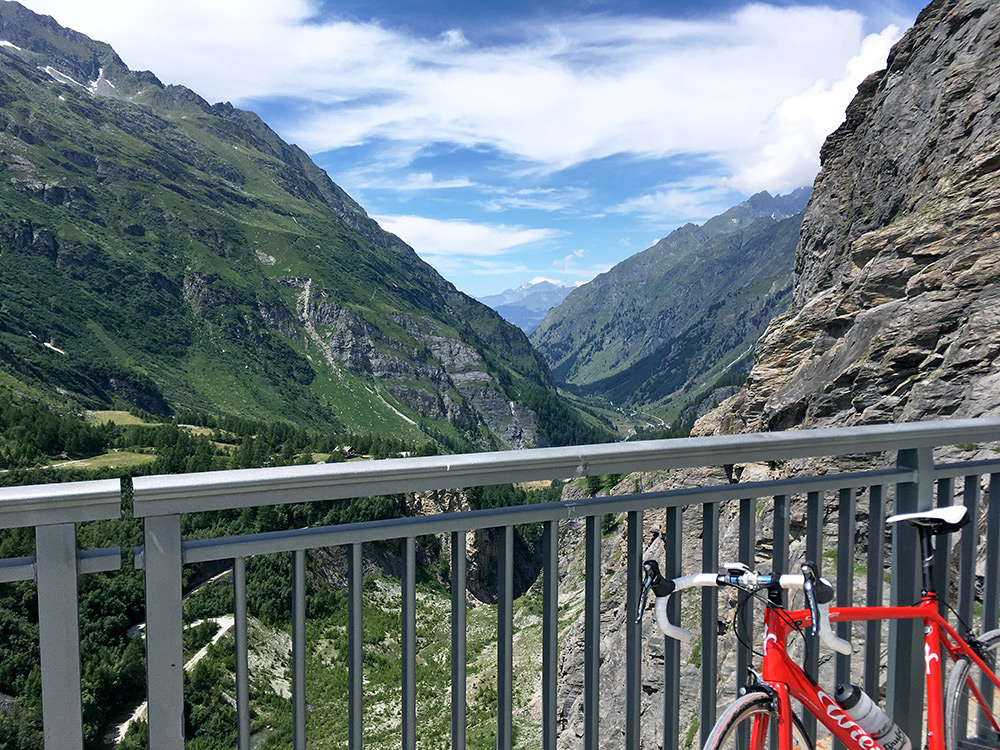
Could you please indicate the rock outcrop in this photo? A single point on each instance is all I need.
(896, 307)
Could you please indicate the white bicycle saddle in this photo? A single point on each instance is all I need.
(939, 520)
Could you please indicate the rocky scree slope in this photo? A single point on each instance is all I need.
(160, 252)
(672, 317)
(895, 315)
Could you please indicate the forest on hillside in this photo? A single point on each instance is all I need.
(41, 445)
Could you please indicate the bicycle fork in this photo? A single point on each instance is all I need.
(781, 701)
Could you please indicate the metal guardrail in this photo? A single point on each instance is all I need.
(914, 483)
(54, 510)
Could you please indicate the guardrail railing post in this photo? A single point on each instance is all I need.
(814, 553)
(874, 587)
(355, 647)
(458, 640)
(633, 635)
(299, 649)
(846, 528)
(709, 620)
(505, 640)
(905, 684)
(241, 653)
(673, 545)
(164, 633)
(991, 586)
(408, 616)
(59, 635)
(550, 634)
(592, 635)
(747, 546)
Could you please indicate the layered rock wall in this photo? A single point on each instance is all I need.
(896, 311)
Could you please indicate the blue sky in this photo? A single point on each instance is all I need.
(513, 141)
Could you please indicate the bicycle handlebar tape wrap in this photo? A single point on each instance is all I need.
(668, 628)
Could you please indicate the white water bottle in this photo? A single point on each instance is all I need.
(867, 714)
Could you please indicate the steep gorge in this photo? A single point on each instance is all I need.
(661, 328)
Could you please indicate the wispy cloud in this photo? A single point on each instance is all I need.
(434, 237)
(476, 267)
(539, 199)
(694, 199)
(412, 181)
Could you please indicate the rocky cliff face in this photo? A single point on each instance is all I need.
(896, 310)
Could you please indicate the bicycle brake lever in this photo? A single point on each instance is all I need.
(652, 578)
(809, 575)
(819, 594)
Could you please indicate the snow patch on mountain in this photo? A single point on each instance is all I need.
(60, 76)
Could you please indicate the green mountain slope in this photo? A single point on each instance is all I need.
(163, 253)
(674, 318)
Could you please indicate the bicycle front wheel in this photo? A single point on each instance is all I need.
(750, 723)
(972, 701)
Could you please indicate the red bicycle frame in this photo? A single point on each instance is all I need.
(786, 678)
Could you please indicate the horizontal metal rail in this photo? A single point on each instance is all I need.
(225, 548)
(69, 502)
(224, 490)
(87, 561)
(964, 469)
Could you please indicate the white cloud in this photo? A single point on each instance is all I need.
(453, 264)
(694, 200)
(570, 268)
(538, 199)
(555, 96)
(437, 238)
(790, 156)
(594, 88)
(412, 181)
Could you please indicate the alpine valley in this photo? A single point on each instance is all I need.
(667, 328)
(164, 255)
(161, 254)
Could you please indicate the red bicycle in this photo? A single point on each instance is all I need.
(963, 716)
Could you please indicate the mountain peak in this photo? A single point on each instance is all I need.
(527, 305)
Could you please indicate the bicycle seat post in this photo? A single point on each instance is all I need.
(929, 523)
(927, 553)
